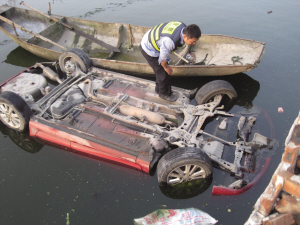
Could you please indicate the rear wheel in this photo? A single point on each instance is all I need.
(14, 111)
(183, 165)
(217, 87)
(76, 56)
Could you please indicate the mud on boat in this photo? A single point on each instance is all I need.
(121, 118)
(212, 55)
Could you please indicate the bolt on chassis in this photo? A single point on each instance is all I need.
(121, 118)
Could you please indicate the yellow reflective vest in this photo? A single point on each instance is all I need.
(170, 29)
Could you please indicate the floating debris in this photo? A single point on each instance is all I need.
(280, 110)
(176, 217)
(5, 42)
(68, 219)
(90, 13)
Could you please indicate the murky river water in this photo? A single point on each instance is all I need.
(41, 187)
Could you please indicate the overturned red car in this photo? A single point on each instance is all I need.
(121, 118)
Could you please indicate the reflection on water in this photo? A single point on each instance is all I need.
(186, 190)
(90, 13)
(21, 139)
(246, 88)
(109, 5)
(21, 57)
(5, 42)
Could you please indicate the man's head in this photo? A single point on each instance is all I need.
(191, 34)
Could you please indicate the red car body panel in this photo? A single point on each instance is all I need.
(54, 135)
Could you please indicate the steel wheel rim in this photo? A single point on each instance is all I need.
(70, 65)
(9, 116)
(212, 98)
(184, 173)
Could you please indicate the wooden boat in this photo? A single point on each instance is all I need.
(213, 55)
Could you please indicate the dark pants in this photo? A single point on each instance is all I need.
(163, 79)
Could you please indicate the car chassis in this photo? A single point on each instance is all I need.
(121, 118)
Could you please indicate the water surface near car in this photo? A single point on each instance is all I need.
(40, 184)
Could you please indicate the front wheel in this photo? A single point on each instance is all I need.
(217, 87)
(14, 111)
(183, 165)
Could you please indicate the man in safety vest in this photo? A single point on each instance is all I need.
(157, 45)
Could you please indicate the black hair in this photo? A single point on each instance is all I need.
(192, 31)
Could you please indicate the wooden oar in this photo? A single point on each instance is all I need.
(179, 56)
(30, 32)
(89, 37)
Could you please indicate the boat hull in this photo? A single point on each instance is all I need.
(215, 53)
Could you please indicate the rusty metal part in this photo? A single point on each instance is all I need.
(220, 190)
(49, 73)
(143, 115)
(101, 98)
(128, 110)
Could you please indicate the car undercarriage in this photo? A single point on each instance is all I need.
(122, 118)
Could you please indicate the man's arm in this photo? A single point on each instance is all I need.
(166, 67)
(167, 45)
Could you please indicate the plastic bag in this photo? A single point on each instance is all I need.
(176, 217)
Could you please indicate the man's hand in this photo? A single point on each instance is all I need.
(166, 67)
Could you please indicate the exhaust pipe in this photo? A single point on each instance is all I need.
(49, 73)
(143, 114)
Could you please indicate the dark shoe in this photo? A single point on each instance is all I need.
(171, 98)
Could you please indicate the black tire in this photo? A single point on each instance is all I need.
(213, 88)
(76, 55)
(194, 160)
(14, 111)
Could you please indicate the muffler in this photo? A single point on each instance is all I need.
(143, 115)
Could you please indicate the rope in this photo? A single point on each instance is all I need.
(236, 59)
